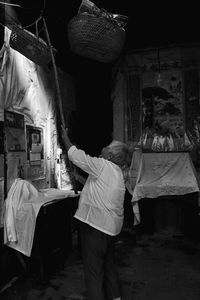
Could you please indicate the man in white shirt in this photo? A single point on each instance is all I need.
(101, 214)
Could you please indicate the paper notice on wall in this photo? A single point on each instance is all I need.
(36, 148)
(35, 156)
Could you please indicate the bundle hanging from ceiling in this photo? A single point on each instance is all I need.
(97, 34)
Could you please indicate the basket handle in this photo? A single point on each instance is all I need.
(107, 15)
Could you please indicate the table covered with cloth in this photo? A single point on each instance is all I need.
(163, 174)
(21, 209)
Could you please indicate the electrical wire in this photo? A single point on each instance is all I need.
(10, 4)
(33, 23)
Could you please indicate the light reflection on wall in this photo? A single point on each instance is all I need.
(28, 91)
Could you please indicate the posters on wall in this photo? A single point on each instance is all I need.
(163, 102)
(162, 111)
(24, 149)
(15, 146)
(14, 131)
(35, 152)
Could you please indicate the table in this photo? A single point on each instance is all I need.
(163, 174)
(37, 222)
(53, 234)
(52, 237)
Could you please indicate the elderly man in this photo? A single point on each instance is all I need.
(101, 213)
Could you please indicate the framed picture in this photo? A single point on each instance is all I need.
(163, 120)
(163, 104)
(35, 138)
(35, 151)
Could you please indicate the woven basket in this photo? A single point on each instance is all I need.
(95, 37)
(29, 45)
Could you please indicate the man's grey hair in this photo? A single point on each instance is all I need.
(119, 153)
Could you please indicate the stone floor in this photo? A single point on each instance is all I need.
(151, 267)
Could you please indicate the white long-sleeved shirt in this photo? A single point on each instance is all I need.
(102, 198)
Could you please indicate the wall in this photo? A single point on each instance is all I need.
(29, 120)
(156, 94)
(167, 78)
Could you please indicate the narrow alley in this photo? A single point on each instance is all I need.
(153, 267)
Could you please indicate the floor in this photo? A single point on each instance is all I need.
(152, 266)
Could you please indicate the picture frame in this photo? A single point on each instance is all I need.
(34, 138)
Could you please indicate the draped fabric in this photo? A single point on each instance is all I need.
(133, 170)
(24, 86)
(22, 206)
(165, 174)
(162, 174)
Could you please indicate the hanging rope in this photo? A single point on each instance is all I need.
(56, 76)
(71, 166)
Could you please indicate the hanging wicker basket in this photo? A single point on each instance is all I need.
(31, 46)
(95, 37)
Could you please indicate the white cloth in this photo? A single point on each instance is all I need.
(133, 170)
(162, 174)
(101, 203)
(131, 182)
(21, 208)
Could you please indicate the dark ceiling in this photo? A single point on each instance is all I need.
(150, 24)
